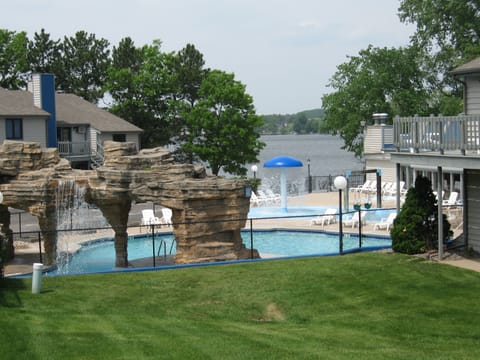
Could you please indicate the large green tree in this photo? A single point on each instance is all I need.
(448, 28)
(223, 125)
(85, 64)
(189, 72)
(387, 80)
(44, 54)
(13, 59)
(142, 85)
(449, 32)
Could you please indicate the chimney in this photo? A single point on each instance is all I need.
(379, 118)
(43, 88)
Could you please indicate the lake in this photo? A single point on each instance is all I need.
(324, 151)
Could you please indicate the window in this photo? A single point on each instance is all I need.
(119, 137)
(14, 129)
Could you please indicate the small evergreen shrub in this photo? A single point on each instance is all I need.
(415, 229)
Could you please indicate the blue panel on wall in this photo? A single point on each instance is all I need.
(48, 104)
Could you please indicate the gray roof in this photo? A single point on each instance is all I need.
(19, 103)
(72, 109)
(468, 68)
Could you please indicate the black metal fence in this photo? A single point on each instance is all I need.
(325, 183)
(162, 250)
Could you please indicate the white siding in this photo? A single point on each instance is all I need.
(93, 139)
(34, 129)
(387, 168)
(472, 182)
(35, 87)
(376, 137)
(129, 137)
(473, 96)
(135, 138)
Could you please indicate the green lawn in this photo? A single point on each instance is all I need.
(362, 306)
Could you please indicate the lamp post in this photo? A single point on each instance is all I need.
(309, 177)
(340, 183)
(254, 169)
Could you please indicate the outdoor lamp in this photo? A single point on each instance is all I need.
(340, 183)
(254, 169)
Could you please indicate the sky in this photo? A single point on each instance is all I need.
(284, 52)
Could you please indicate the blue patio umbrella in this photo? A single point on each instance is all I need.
(283, 162)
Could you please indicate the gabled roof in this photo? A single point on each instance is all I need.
(470, 67)
(70, 109)
(18, 103)
(73, 110)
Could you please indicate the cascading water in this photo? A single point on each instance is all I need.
(74, 217)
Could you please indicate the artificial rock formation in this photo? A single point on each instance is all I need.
(208, 211)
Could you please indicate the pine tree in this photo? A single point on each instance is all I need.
(415, 229)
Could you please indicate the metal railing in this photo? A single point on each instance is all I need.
(437, 133)
(69, 149)
(253, 226)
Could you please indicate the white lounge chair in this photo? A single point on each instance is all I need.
(267, 199)
(355, 219)
(255, 200)
(328, 217)
(452, 199)
(276, 198)
(385, 223)
(166, 217)
(362, 188)
(149, 218)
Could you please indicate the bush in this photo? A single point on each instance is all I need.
(415, 229)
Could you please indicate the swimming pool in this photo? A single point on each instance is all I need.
(99, 255)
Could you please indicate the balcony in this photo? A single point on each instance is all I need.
(72, 150)
(453, 134)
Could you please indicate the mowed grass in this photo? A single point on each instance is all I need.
(361, 306)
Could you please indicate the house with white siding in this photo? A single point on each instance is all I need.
(75, 126)
(447, 148)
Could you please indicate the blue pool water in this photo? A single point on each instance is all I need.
(100, 255)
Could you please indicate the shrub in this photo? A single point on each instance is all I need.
(415, 229)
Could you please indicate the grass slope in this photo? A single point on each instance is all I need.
(362, 306)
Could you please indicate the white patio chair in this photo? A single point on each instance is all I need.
(328, 217)
(276, 198)
(452, 199)
(268, 200)
(149, 218)
(355, 219)
(166, 217)
(255, 200)
(362, 188)
(385, 223)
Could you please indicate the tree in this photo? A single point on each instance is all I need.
(222, 127)
(44, 54)
(188, 74)
(13, 59)
(452, 27)
(385, 80)
(85, 63)
(415, 228)
(449, 31)
(141, 83)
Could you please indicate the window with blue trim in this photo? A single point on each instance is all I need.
(14, 129)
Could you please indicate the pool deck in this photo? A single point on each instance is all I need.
(27, 253)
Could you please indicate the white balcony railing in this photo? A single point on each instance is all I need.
(70, 149)
(437, 133)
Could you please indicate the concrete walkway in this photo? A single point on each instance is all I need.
(26, 253)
